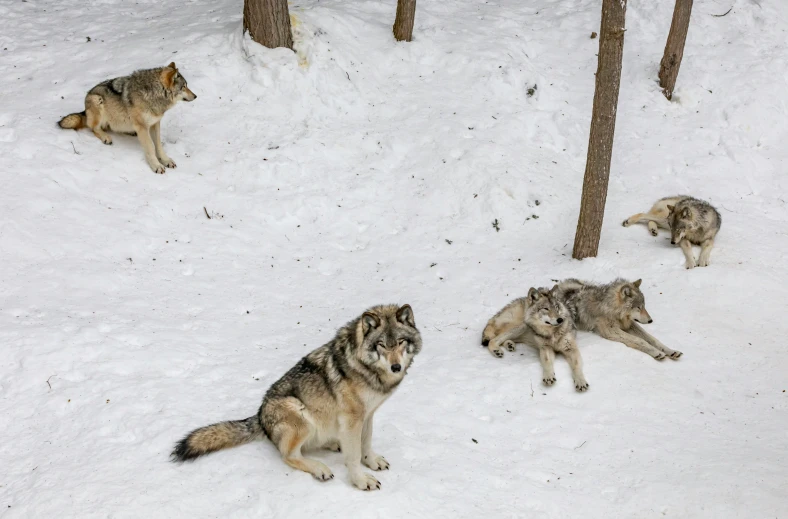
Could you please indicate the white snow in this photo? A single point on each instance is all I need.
(334, 178)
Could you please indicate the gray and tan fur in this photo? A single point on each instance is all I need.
(328, 399)
(690, 221)
(134, 104)
(540, 320)
(613, 311)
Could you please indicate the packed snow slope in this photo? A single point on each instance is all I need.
(360, 171)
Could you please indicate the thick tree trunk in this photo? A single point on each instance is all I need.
(403, 23)
(268, 22)
(603, 125)
(674, 48)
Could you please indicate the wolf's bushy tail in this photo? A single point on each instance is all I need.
(211, 438)
(74, 121)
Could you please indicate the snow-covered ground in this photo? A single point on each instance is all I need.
(336, 179)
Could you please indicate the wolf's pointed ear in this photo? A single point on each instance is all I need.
(167, 76)
(533, 294)
(637, 283)
(626, 291)
(671, 208)
(685, 213)
(554, 290)
(172, 65)
(369, 321)
(405, 315)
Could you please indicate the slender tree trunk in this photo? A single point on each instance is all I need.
(403, 23)
(674, 48)
(268, 22)
(603, 125)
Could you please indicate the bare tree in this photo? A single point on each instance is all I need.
(603, 125)
(403, 23)
(674, 48)
(268, 22)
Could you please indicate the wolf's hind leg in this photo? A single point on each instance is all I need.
(290, 434)
(635, 218)
(504, 339)
(654, 221)
(94, 119)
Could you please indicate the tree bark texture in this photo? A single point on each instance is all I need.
(403, 23)
(674, 48)
(268, 22)
(603, 125)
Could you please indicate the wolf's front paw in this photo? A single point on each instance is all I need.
(690, 264)
(167, 162)
(675, 355)
(548, 380)
(107, 140)
(658, 355)
(156, 167)
(497, 352)
(703, 263)
(365, 481)
(581, 385)
(376, 462)
(653, 232)
(509, 345)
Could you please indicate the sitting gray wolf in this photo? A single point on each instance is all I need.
(690, 221)
(543, 321)
(134, 104)
(327, 399)
(613, 311)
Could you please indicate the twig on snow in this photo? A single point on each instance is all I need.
(50, 385)
(74, 148)
(723, 14)
(206, 212)
(580, 445)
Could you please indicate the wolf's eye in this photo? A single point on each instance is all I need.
(403, 342)
(380, 344)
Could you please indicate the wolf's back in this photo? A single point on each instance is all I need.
(211, 438)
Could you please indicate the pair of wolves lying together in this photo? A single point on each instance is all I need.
(547, 319)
